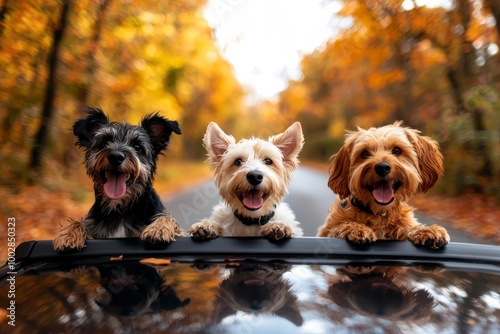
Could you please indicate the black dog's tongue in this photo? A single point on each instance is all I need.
(383, 192)
(115, 185)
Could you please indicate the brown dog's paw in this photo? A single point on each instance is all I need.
(433, 236)
(205, 229)
(357, 234)
(276, 231)
(162, 230)
(71, 237)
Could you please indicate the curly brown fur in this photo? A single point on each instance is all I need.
(374, 174)
(382, 292)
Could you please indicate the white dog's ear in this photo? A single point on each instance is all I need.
(216, 142)
(290, 143)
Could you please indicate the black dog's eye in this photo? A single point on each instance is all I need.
(365, 154)
(238, 162)
(267, 161)
(138, 148)
(396, 151)
(103, 142)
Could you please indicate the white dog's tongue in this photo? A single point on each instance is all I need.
(115, 186)
(383, 193)
(253, 199)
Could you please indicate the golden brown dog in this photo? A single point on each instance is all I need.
(380, 292)
(374, 174)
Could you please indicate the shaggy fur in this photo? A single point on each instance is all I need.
(380, 292)
(374, 174)
(252, 177)
(121, 160)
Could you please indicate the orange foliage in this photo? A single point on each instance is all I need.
(473, 214)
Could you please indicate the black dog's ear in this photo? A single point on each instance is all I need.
(159, 129)
(85, 128)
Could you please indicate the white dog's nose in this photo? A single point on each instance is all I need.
(255, 177)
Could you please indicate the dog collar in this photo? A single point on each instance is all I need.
(365, 208)
(262, 220)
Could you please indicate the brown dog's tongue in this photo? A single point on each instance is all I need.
(383, 193)
(115, 185)
(253, 199)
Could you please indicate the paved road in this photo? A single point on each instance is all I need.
(309, 197)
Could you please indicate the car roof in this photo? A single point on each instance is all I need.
(310, 250)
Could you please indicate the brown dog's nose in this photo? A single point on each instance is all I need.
(382, 169)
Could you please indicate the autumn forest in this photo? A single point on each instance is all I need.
(437, 68)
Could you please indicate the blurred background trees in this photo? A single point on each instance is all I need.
(437, 68)
(128, 57)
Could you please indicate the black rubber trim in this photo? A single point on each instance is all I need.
(307, 250)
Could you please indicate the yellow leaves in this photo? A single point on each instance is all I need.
(378, 80)
(336, 129)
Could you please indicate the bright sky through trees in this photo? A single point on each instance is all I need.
(265, 40)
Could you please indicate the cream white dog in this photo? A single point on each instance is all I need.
(252, 177)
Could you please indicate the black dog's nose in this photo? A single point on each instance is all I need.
(255, 177)
(115, 158)
(382, 168)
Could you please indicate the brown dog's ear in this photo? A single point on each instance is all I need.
(430, 159)
(339, 171)
(216, 142)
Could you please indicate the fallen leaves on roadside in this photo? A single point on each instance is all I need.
(473, 214)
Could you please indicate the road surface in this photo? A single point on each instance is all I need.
(308, 196)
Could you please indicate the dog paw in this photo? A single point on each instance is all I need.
(71, 237)
(205, 230)
(162, 230)
(434, 236)
(361, 235)
(362, 270)
(276, 231)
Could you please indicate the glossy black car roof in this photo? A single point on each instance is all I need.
(252, 285)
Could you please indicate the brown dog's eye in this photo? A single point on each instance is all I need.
(238, 162)
(365, 154)
(396, 151)
(268, 161)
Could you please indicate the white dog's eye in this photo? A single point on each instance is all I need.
(238, 162)
(268, 161)
(365, 154)
(396, 151)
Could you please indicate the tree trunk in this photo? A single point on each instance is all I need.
(42, 135)
(83, 93)
(494, 7)
(3, 13)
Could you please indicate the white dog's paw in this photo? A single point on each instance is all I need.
(205, 230)
(276, 231)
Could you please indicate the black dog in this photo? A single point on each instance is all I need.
(133, 289)
(121, 160)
